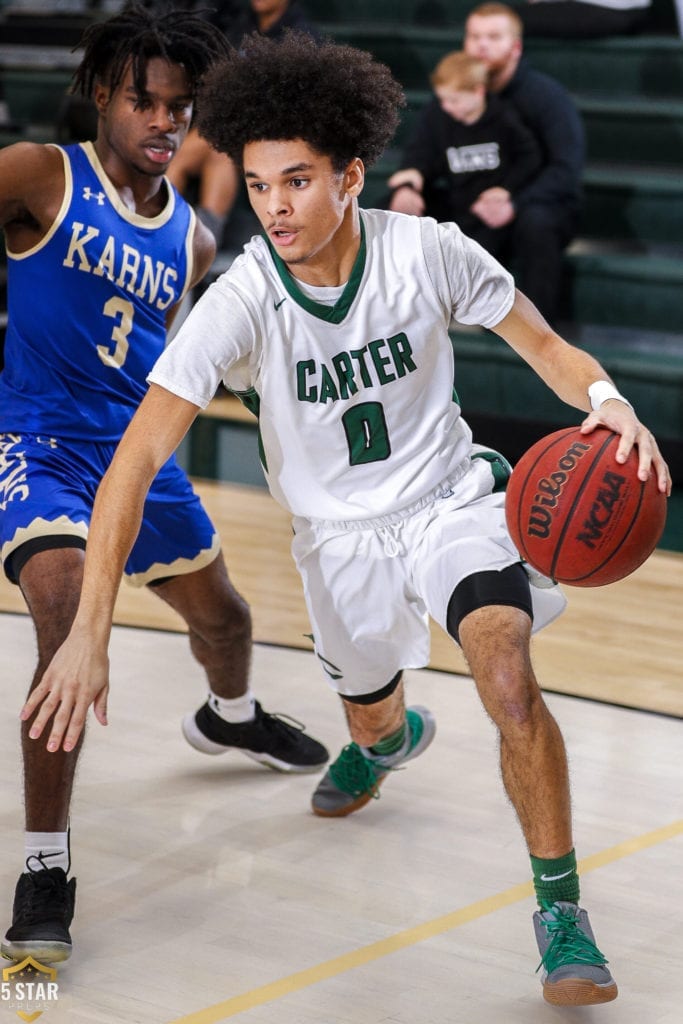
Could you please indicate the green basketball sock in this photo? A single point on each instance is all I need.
(390, 744)
(555, 880)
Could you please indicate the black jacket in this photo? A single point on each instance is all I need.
(467, 159)
(549, 111)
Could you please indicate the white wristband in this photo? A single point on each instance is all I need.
(602, 390)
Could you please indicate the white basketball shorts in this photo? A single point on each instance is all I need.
(370, 585)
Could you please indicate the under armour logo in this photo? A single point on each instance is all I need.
(89, 194)
(50, 441)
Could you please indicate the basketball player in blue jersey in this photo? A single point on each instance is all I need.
(100, 252)
(335, 324)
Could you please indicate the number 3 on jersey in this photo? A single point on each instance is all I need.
(117, 307)
(366, 433)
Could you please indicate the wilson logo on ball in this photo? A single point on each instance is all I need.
(550, 490)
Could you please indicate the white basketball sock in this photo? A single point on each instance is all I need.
(46, 850)
(239, 709)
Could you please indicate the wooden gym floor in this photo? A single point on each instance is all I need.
(207, 891)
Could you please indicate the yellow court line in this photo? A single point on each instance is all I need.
(411, 936)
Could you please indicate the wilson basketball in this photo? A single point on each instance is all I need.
(579, 516)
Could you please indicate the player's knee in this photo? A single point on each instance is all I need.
(224, 625)
(235, 618)
(512, 697)
(516, 699)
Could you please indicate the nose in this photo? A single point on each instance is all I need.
(163, 119)
(278, 203)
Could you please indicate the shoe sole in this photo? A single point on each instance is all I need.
(43, 952)
(355, 805)
(579, 992)
(196, 738)
(428, 734)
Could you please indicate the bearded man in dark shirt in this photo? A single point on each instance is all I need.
(544, 214)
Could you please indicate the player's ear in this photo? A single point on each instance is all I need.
(354, 176)
(100, 94)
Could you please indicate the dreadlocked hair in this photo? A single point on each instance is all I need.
(338, 99)
(135, 35)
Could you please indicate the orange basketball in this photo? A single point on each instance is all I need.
(579, 516)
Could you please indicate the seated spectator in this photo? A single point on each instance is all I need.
(216, 176)
(467, 153)
(584, 19)
(545, 212)
(271, 18)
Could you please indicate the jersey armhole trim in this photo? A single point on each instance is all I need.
(189, 254)
(66, 202)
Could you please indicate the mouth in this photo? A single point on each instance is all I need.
(282, 236)
(159, 152)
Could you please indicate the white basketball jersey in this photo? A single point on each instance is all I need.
(357, 412)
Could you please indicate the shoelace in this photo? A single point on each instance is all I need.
(38, 891)
(281, 722)
(568, 944)
(354, 774)
(41, 858)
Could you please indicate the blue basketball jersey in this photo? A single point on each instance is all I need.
(87, 308)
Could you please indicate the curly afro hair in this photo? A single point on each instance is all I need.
(338, 99)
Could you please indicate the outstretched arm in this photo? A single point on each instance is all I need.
(78, 675)
(570, 372)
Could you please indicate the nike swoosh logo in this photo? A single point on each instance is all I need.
(276, 305)
(556, 878)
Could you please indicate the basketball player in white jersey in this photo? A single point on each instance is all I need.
(334, 327)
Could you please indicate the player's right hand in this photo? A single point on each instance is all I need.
(77, 677)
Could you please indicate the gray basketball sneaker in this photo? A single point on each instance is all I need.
(574, 970)
(354, 778)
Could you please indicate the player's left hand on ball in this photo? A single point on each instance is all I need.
(75, 678)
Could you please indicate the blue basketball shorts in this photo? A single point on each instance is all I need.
(47, 490)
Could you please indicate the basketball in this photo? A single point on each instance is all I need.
(577, 515)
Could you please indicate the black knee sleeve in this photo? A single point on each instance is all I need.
(509, 586)
(378, 695)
